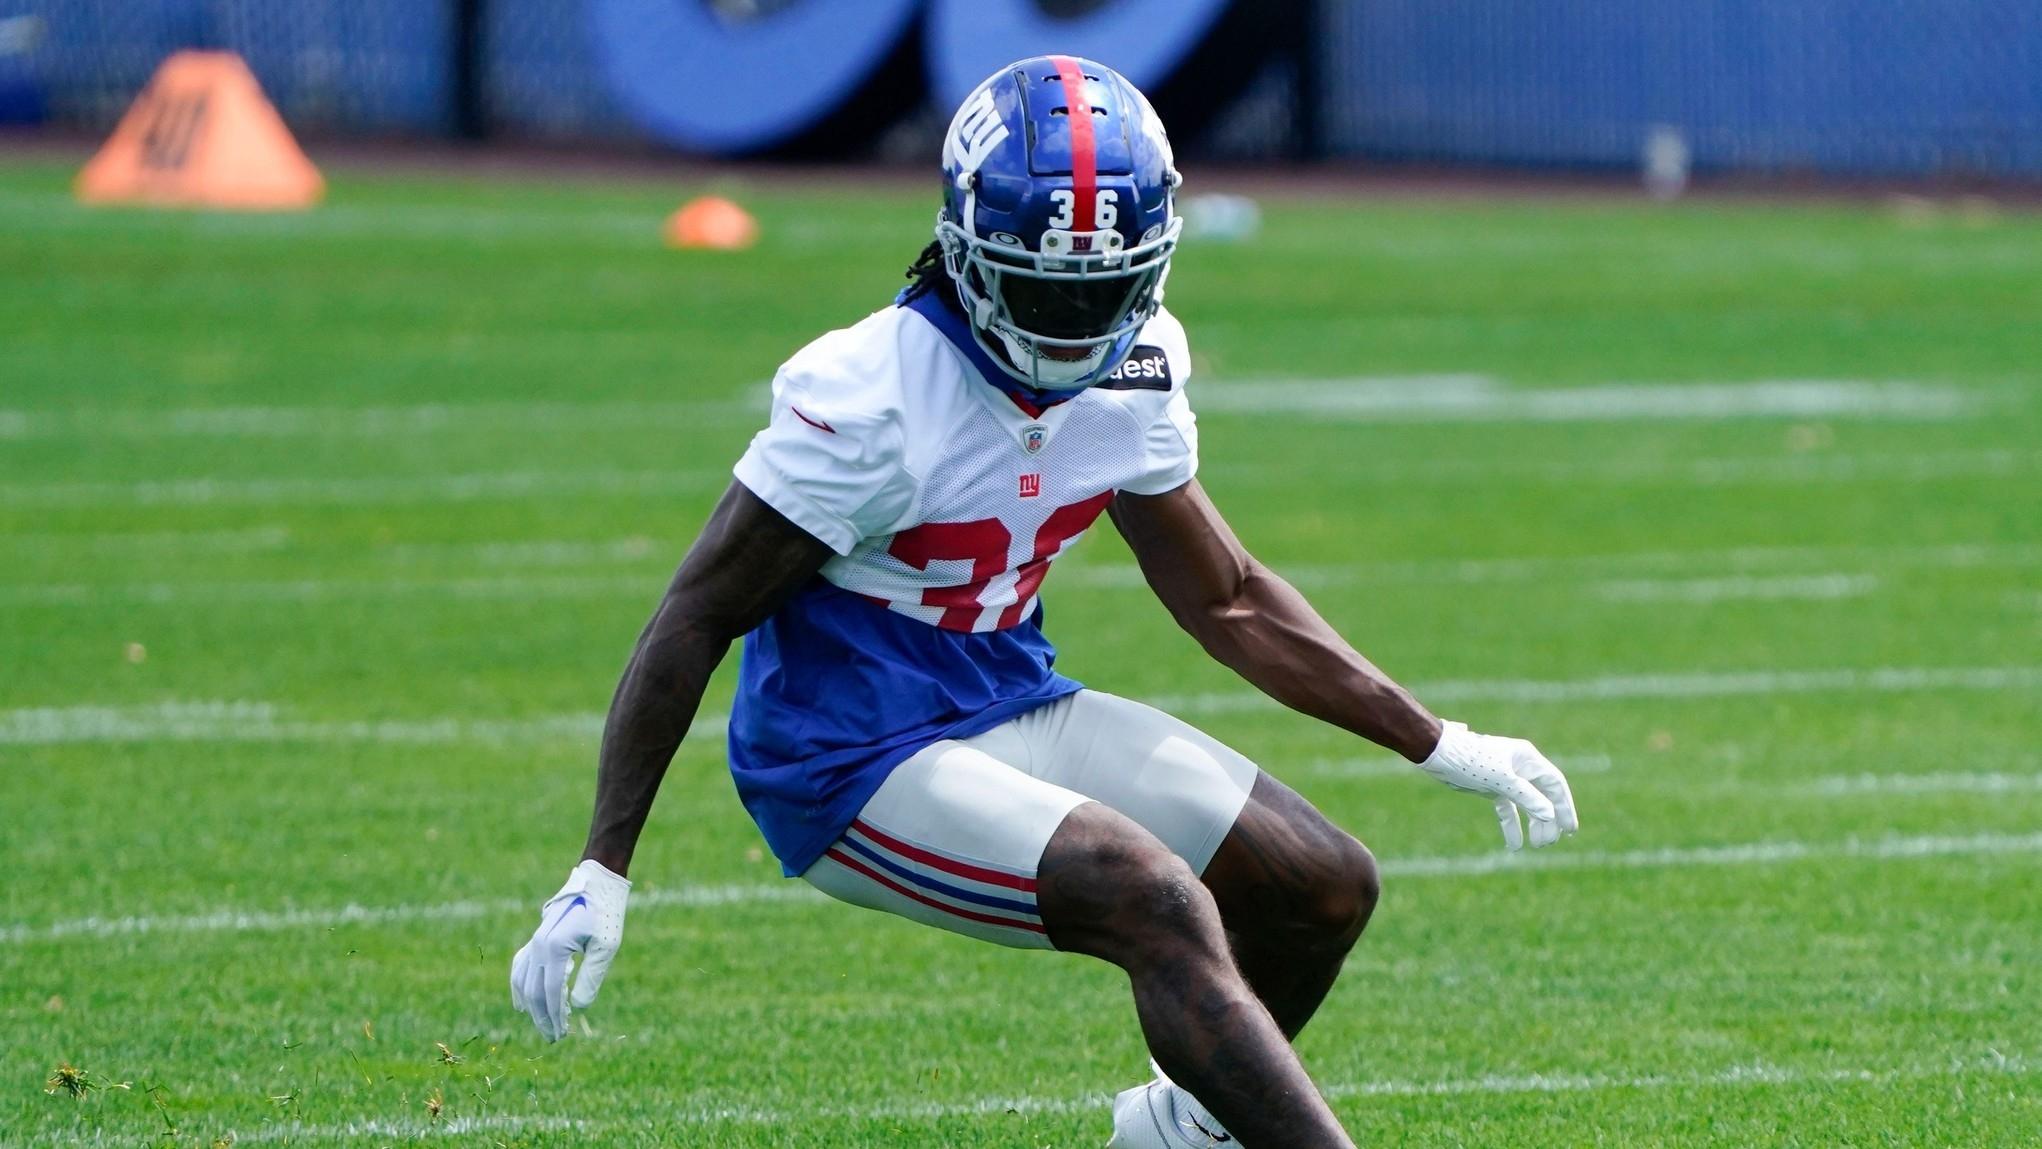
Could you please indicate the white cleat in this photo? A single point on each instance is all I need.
(1161, 1115)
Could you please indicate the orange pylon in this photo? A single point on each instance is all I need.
(713, 222)
(202, 134)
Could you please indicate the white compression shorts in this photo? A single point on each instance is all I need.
(954, 836)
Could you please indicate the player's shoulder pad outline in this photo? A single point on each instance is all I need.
(1146, 368)
(846, 381)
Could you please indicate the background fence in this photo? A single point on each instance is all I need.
(1902, 87)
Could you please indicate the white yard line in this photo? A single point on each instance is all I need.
(1827, 785)
(1478, 398)
(300, 490)
(631, 550)
(633, 229)
(1763, 470)
(1393, 767)
(1744, 1075)
(269, 921)
(246, 721)
(1735, 560)
(639, 550)
(620, 226)
(645, 552)
(1564, 857)
(1808, 468)
(244, 591)
(1754, 1073)
(232, 541)
(253, 721)
(242, 720)
(1880, 680)
(369, 422)
(1811, 587)
(1942, 782)
(1747, 854)
(357, 491)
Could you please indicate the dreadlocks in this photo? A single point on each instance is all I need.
(927, 271)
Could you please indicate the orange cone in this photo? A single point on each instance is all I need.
(713, 222)
(202, 134)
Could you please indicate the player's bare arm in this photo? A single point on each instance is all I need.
(746, 562)
(1257, 625)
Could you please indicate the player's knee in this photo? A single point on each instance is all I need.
(1340, 902)
(1168, 917)
(1165, 897)
(1155, 896)
(1116, 892)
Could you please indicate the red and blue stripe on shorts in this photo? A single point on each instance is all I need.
(970, 890)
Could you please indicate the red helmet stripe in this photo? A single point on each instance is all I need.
(1084, 149)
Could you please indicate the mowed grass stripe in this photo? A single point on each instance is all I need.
(1563, 857)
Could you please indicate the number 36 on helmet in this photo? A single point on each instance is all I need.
(1059, 217)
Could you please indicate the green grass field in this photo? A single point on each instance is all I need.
(323, 538)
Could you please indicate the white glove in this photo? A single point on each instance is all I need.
(1513, 772)
(587, 914)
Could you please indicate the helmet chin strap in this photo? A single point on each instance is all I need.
(1048, 372)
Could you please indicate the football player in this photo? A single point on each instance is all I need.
(900, 733)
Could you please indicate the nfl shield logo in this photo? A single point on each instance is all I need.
(1033, 436)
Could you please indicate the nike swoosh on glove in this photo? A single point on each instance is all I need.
(1513, 773)
(586, 917)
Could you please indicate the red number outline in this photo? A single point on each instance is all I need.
(986, 542)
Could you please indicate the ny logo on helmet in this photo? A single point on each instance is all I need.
(974, 132)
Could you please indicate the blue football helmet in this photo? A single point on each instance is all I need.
(1059, 218)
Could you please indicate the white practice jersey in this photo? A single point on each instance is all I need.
(943, 497)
